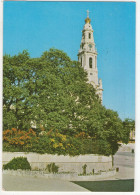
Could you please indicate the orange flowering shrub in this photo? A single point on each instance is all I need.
(51, 142)
(18, 137)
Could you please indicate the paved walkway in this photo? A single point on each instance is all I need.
(23, 183)
(125, 162)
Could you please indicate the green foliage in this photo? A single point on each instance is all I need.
(16, 95)
(128, 125)
(42, 91)
(18, 163)
(84, 169)
(52, 168)
(52, 94)
(56, 143)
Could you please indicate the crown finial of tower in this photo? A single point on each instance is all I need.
(87, 20)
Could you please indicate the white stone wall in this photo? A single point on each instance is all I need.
(65, 163)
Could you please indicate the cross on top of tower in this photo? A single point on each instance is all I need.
(87, 20)
(88, 13)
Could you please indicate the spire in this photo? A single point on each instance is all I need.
(87, 20)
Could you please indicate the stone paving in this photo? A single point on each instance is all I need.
(126, 162)
(24, 183)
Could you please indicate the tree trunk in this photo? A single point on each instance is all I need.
(112, 160)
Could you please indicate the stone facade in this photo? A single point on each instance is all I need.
(87, 56)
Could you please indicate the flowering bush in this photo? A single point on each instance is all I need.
(64, 144)
(51, 142)
(19, 138)
(57, 140)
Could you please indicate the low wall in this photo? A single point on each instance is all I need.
(64, 176)
(65, 163)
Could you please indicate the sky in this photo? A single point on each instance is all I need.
(39, 26)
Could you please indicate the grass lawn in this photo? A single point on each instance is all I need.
(108, 186)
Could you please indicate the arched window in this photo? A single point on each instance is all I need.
(90, 62)
(81, 61)
(83, 35)
(89, 35)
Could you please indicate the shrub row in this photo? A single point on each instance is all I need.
(53, 142)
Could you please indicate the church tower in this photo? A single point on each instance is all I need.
(87, 56)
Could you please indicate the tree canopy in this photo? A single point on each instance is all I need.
(52, 93)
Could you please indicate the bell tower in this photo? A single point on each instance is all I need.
(87, 56)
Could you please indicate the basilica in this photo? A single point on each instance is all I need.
(87, 56)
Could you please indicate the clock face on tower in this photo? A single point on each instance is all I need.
(90, 46)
